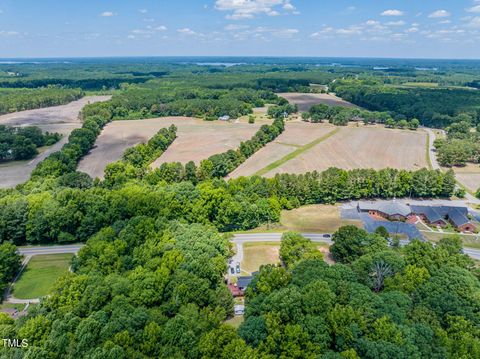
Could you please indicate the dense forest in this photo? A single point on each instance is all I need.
(13, 100)
(154, 289)
(433, 107)
(462, 145)
(21, 143)
(149, 282)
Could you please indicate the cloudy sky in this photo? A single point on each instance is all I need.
(364, 28)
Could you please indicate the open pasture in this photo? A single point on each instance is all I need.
(469, 176)
(196, 140)
(62, 119)
(307, 100)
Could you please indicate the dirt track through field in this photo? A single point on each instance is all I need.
(307, 100)
(296, 135)
(196, 140)
(62, 119)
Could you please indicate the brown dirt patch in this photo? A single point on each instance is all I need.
(307, 100)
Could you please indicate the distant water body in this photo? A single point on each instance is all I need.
(372, 63)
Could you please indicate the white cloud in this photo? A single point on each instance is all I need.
(234, 27)
(474, 22)
(107, 14)
(161, 28)
(143, 11)
(5, 33)
(475, 9)
(186, 31)
(392, 12)
(395, 23)
(444, 22)
(248, 9)
(439, 14)
(412, 30)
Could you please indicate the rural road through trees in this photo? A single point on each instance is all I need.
(240, 239)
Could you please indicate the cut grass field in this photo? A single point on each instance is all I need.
(317, 218)
(469, 176)
(40, 274)
(256, 254)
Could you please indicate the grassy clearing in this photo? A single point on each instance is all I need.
(295, 153)
(259, 253)
(235, 321)
(421, 84)
(468, 240)
(315, 218)
(427, 152)
(16, 306)
(42, 271)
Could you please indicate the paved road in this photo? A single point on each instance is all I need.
(32, 251)
(240, 239)
(433, 153)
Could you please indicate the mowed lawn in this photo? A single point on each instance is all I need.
(42, 271)
(315, 218)
(256, 254)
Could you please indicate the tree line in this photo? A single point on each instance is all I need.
(42, 213)
(460, 146)
(433, 107)
(22, 143)
(13, 100)
(341, 116)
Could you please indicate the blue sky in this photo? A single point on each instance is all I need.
(364, 28)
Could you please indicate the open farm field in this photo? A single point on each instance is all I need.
(196, 140)
(305, 147)
(307, 100)
(296, 135)
(470, 180)
(361, 147)
(62, 119)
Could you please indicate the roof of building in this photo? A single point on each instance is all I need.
(243, 282)
(458, 215)
(458, 218)
(433, 214)
(390, 208)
